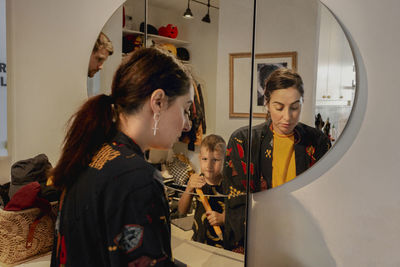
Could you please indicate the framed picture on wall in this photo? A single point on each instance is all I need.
(240, 80)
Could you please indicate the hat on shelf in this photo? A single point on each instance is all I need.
(150, 29)
(170, 31)
(182, 54)
(169, 47)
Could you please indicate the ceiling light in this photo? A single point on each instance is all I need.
(188, 13)
(207, 16)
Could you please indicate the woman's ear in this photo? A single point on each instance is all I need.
(266, 106)
(158, 100)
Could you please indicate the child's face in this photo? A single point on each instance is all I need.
(211, 162)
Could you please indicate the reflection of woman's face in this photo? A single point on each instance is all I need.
(285, 108)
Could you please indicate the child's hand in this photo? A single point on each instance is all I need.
(195, 181)
(215, 218)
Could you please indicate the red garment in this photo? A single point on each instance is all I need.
(24, 198)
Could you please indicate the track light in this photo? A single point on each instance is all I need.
(188, 13)
(207, 16)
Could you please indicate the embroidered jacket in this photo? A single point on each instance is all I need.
(115, 213)
(310, 145)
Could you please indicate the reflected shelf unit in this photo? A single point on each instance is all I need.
(158, 38)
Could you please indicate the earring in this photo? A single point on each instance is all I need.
(156, 118)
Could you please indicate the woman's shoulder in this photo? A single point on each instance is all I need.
(242, 132)
(114, 158)
(310, 133)
(121, 165)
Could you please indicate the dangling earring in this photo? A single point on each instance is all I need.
(156, 118)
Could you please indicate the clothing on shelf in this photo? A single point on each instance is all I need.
(198, 120)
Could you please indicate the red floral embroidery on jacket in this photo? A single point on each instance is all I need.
(230, 163)
(244, 183)
(310, 150)
(240, 150)
(244, 166)
(228, 152)
(234, 172)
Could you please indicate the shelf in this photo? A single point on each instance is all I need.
(158, 38)
(185, 62)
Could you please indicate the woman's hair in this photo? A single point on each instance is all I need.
(96, 122)
(213, 143)
(282, 79)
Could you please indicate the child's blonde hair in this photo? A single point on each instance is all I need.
(213, 143)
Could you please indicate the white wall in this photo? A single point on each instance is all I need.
(282, 26)
(291, 25)
(350, 216)
(49, 46)
(235, 35)
(203, 38)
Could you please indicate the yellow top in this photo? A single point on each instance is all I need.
(283, 160)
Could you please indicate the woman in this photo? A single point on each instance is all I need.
(282, 148)
(113, 208)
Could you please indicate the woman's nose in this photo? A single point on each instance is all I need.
(187, 125)
(286, 114)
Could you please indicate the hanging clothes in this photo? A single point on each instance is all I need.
(198, 120)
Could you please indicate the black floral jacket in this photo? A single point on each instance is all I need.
(310, 145)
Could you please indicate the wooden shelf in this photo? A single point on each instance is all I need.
(157, 38)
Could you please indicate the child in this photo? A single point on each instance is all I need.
(212, 151)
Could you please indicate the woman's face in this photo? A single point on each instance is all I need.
(285, 108)
(174, 120)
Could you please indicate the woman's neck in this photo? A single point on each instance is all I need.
(137, 129)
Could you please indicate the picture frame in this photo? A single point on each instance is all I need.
(239, 80)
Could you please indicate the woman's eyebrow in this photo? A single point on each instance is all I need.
(279, 103)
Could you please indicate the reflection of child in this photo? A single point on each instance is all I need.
(212, 151)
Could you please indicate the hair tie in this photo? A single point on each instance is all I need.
(111, 99)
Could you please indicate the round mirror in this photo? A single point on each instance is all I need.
(309, 41)
(302, 90)
(305, 50)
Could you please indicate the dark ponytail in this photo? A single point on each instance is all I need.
(88, 129)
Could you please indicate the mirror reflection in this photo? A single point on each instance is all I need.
(303, 89)
(192, 169)
(302, 108)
